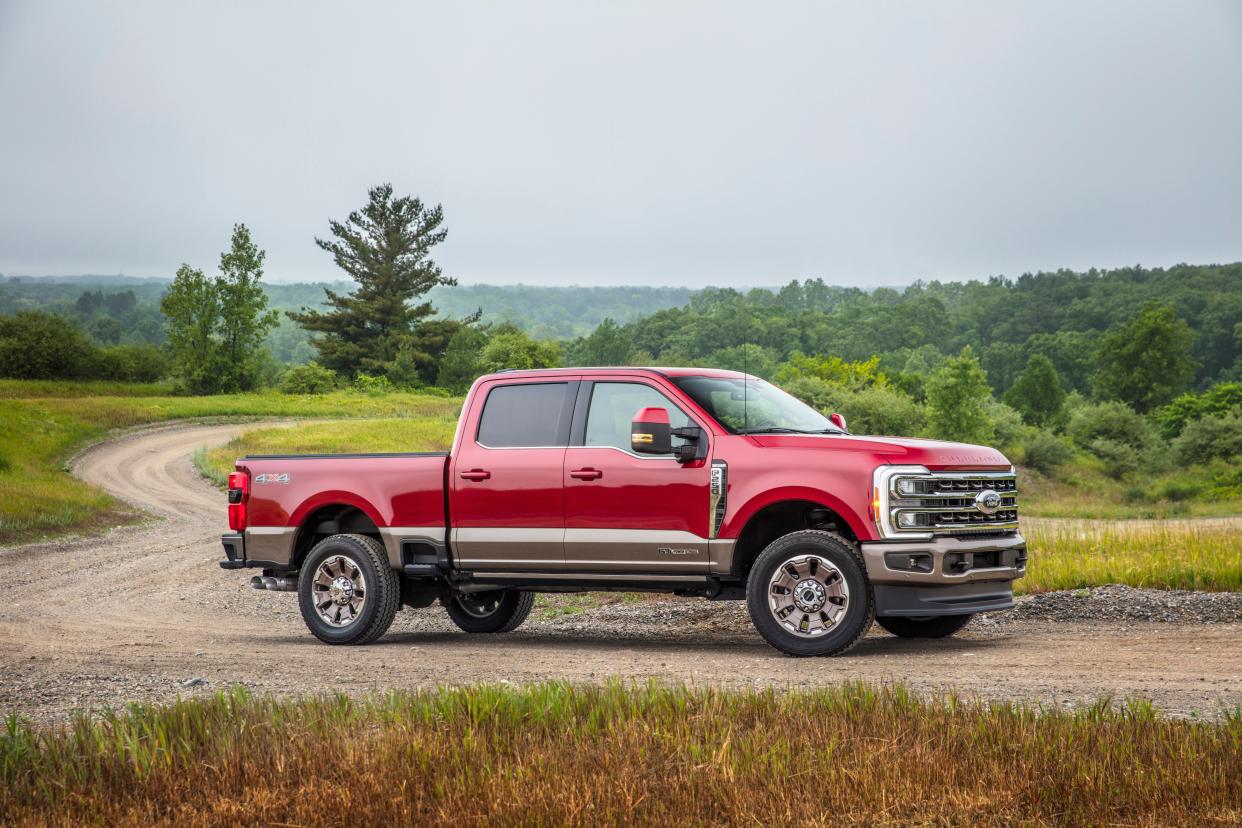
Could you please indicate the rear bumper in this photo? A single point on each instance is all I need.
(235, 556)
(945, 561)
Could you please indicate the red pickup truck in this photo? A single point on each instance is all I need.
(691, 481)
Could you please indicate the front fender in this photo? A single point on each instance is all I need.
(736, 521)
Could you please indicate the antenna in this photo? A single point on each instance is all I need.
(745, 375)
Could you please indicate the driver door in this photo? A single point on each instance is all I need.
(626, 512)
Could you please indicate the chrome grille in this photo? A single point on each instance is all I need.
(945, 503)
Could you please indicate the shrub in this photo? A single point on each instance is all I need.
(133, 363)
(1119, 458)
(375, 386)
(1179, 489)
(5, 465)
(1008, 429)
(874, 410)
(311, 378)
(1210, 438)
(1112, 422)
(1045, 451)
(37, 345)
(1219, 399)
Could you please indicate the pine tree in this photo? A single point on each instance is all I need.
(385, 247)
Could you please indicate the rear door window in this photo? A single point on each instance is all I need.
(525, 416)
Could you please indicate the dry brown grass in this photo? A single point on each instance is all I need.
(557, 754)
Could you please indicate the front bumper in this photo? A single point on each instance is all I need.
(944, 576)
(946, 560)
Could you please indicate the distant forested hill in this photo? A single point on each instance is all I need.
(1061, 314)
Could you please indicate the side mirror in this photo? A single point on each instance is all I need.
(837, 420)
(650, 432)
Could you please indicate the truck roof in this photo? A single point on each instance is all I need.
(663, 372)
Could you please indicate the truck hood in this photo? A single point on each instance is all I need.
(936, 455)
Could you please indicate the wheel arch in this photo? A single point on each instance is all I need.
(773, 518)
(327, 519)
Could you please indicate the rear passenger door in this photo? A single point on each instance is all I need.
(508, 505)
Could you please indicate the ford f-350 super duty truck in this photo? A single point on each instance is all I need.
(685, 480)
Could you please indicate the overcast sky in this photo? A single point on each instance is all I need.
(627, 143)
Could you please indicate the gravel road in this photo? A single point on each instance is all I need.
(144, 613)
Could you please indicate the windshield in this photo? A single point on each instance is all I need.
(754, 406)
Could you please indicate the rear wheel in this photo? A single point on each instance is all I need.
(931, 626)
(808, 594)
(347, 592)
(494, 611)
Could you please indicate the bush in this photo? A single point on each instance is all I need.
(5, 465)
(1217, 437)
(133, 363)
(1111, 422)
(1045, 451)
(1007, 426)
(1219, 399)
(311, 378)
(1119, 458)
(375, 386)
(37, 345)
(874, 410)
(1179, 489)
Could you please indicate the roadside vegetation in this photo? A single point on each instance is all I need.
(39, 433)
(563, 754)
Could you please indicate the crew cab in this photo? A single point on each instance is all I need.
(684, 480)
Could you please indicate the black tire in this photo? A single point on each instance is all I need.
(379, 603)
(496, 611)
(938, 626)
(859, 606)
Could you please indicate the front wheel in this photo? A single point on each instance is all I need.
(494, 611)
(808, 594)
(938, 626)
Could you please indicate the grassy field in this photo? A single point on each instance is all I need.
(38, 433)
(560, 754)
(1161, 555)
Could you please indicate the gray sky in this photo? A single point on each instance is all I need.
(627, 143)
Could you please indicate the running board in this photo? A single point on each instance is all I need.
(554, 581)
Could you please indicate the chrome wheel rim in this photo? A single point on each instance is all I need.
(808, 596)
(480, 604)
(339, 591)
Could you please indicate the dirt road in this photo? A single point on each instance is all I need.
(145, 613)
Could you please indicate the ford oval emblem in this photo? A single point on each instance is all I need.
(988, 502)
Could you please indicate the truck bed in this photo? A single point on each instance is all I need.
(393, 489)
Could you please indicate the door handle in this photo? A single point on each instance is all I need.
(476, 474)
(586, 474)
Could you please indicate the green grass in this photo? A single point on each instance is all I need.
(646, 755)
(1158, 555)
(1081, 490)
(428, 433)
(38, 434)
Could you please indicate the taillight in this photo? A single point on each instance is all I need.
(239, 492)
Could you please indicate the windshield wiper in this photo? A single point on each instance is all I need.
(784, 430)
